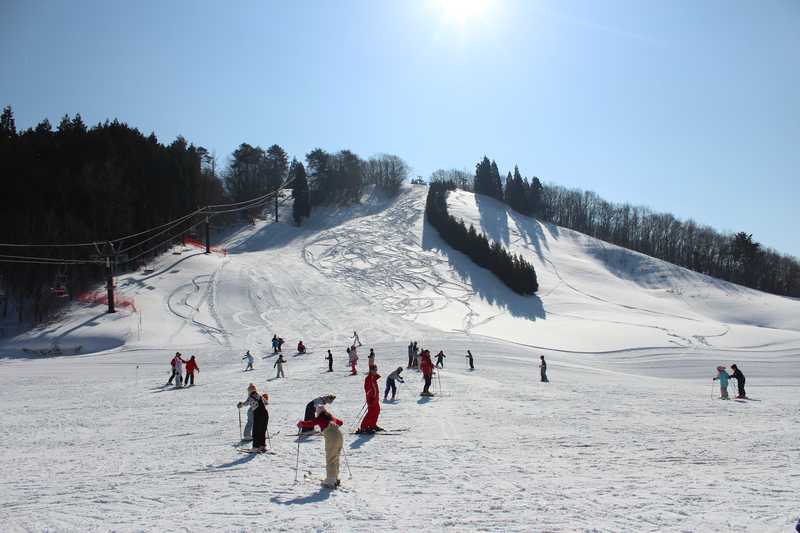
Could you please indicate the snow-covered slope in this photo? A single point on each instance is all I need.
(626, 437)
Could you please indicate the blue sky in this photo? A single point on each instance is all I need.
(684, 106)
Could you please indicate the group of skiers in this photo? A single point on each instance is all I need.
(177, 368)
(723, 377)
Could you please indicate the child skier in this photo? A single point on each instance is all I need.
(249, 361)
(440, 359)
(329, 358)
(353, 361)
(739, 381)
(173, 364)
(329, 426)
(301, 348)
(543, 369)
(722, 376)
(179, 362)
(426, 365)
(279, 365)
(250, 402)
(369, 424)
(390, 383)
(191, 368)
(469, 360)
(314, 407)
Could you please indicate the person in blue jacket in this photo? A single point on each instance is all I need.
(722, 376)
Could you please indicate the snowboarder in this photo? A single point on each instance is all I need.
(249, 361)
(722, 376)
(191, 368)
(301, 348)
(369, 424)
(275, 344)
(543, 369)
(329, 426)
(469, 360)
(353, 361)
(173, 365)
(410, 354)
(330, 361)
(356, 339)
(250, 402)
(426, 365)
(440, 359)
(313, 408)
(390, 383)
(739, 381)
(279, 365)
(371, 358)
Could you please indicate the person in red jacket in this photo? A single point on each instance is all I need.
(369, 424)
(191, 368)
(329, 426)
(426, 365)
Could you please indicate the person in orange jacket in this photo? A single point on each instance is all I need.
(373, 392)
(191, 368)
(426, 365)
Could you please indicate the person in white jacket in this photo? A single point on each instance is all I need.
(178, 372)
(251, 403)
(249, 359)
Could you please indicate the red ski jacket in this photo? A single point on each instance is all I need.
(191, 366)
(426, 365)
(371, 388)
(320, 421)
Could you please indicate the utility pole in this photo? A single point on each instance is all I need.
(208, 237)
(110, 279)
(276, 205)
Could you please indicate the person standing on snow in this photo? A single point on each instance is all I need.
(440, 359)
(469, 360)
(722, 376)
(250, 402)
(174, 364)
(543, 369)
(260, 419)
(371, 358)
(274, 344)
(179, 362)
(369, 424)
(249, 361)
(390, 383)
(314, 406)
(356, 339)
(329, 358)
(353, 361)
(279, 365)
(280, 344)
(329, 426)
(191, 368)
(739, 381)
(410, 354)
(426, 365)
(415, 360)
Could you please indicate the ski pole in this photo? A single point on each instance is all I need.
(241, 435)
(346, 462)
(439, 376)
(358, 417)
(297, 463)
(268, 439)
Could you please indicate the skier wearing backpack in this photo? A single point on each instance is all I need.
(543, 369)
(191, 368)
(739, 381)
(329, 358)
(329, 426)
(390, 383)
(249, 359)
(369, 424)
(440, 359)
(279, 365)
(314, 406)
(426, 365)
(722, 376)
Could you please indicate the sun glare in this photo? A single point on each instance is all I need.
(462, 12)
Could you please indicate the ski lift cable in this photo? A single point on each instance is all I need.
(141, 242)
(54, 260)
(134, 258)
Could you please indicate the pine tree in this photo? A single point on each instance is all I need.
(302, 205)
(8, 128)
(495, 185)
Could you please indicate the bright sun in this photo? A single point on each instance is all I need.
(461, 12)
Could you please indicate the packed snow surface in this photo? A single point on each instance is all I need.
(628, 435)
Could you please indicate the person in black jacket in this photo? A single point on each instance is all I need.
(329, 357)
(739, 380)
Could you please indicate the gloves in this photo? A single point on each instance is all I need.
(299, 425)
(239, 405)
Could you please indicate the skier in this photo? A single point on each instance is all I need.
(739, 381)
(179, 362)
(410, 354)
(249, 361)
(280, 344)
(469, 360)
(356, 339)
(313, 409)
(371, 358)
(173, 364)
(369, 424)
(191, 368)
(390, 383)
(415, 360)
(330, 361)
(279, 365)
(440, 359)
(260, 418)
(329, 426)
(722, 376)
(426, 365)
(543, 369)
(250, 402)
(353, 361)
(301, 348)
(275, 344)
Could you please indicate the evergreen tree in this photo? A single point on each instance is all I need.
(495, 185)
(302, 205)
(8, 127)
(277, 167)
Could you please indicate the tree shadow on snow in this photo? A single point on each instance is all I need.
(319, 496)
(485, 284)
(494, 218)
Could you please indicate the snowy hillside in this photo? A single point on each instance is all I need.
(626, 437)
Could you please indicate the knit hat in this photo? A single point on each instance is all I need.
(252, 388)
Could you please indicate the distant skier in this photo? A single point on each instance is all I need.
(410, 354)
(722, 376)
(415, 359)
(249, 359)
(279, 365)
(543, 369)
(250, 402)
(369, 424)
(390, 383)
(173, 365)
(440, 359)
(329, 426)
(371, 357)
(353, 361)
(191, 368)
(356, 339)
(313, 408)
(301, 348)
(329, 358)
(470, 360)
(739, 381)
(275, 344)
(179, 362)
(280, 344)
(426, 365)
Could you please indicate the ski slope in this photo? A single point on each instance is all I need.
(626, 437)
